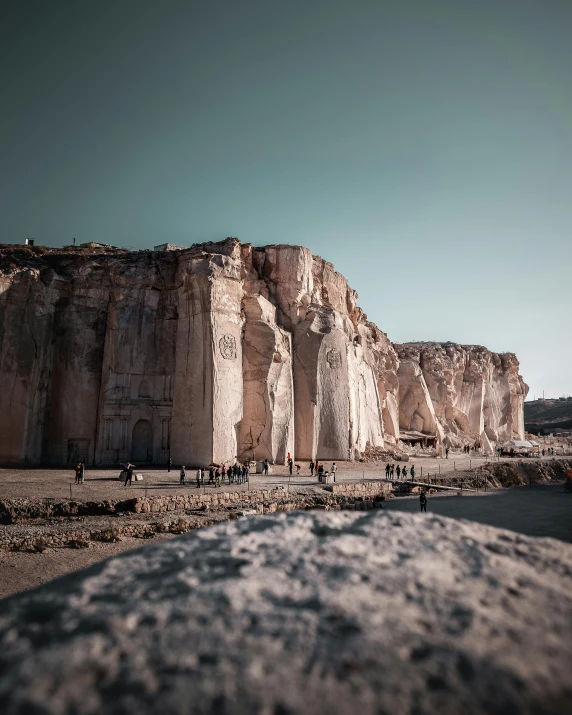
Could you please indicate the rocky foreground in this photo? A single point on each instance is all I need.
(302, 613)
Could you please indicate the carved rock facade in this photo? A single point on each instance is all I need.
(212, 352)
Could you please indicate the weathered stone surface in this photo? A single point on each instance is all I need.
(216, 352)
(302, 613)
(470, 393)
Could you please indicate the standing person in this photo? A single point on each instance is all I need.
(333, 470)
(223, 473)
(311, 468)
(290, 466)
(446, 452)
(423, 501)
(297, 469)
(412, 472)
(199, 477)
(169, 464)
(398, 471)
(81, 472)
(246, 472)
(77, 471)
(217, 477)
(387, 470)
(129, 476)
(404, 472)
(182, 475)
(211, 475)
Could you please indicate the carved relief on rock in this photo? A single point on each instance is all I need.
(227, 345)
(334, 358)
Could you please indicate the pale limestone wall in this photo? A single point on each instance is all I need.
(221, 351)
(475, 393)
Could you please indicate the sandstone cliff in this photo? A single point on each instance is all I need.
(464, 393)
(205, 353)
(217, 351)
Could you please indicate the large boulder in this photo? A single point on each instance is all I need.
(302, 613)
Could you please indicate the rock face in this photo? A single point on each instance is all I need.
(302, 613)
(215, 352)
(203, 354)
(462, 393)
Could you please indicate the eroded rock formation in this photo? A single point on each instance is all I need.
(463, 393)
(218, 351)
(302, 613)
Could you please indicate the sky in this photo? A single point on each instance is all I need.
(424, 147)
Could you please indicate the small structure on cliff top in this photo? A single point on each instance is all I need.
(222, 350)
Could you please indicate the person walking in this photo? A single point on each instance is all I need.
(290, 466)
(423, 501)
(312, 469)
(387, 470)
(404, 472)
(333, 470)
(169, 464)
(412, 472)
(392, 471)
(398, 471)
(182, 475)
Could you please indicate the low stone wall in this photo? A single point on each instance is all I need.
(360, 489)
(152, 505)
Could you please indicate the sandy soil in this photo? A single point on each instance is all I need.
(543, 510)
(104, 483)
(23, 571)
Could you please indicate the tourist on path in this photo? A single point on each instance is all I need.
(412, 472)
(290, 466)
(199, 477)
(387, 470)
(333, 470)
(392, 470)
(423, 501)
(311, 469)
(129, 477)
(398, 471)
(446, 452)
(169, 464)
(298, 469)
(182, 475)
(404, 472)
(77, 472)
(266, 467)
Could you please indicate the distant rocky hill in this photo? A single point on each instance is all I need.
(540, 415)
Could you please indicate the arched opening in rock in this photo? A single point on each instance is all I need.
(142, 442)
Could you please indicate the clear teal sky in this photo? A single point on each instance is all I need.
(423, 146)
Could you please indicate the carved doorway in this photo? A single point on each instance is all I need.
(142, 442)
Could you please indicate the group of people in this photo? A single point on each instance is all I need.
(235, 474)
(391, 470)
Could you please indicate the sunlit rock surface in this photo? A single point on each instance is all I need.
(302, 613)
(473, 394)
(219, 351)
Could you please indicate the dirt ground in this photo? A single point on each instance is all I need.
(21, 571)
(104, 483)
(544, 510)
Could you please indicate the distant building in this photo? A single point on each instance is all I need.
(168, 247)
(29, 242)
